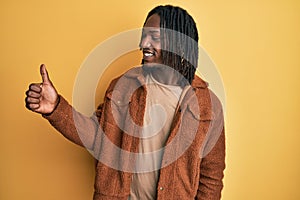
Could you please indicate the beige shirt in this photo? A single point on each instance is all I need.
(162, 101)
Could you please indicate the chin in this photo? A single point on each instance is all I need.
(150, 67)
(147, 66)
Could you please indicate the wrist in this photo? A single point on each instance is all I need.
(54, 107)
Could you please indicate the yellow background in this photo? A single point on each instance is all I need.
(254, 43)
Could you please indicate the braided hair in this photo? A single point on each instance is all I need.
(179, 39)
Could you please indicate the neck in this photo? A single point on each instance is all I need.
(164, 74)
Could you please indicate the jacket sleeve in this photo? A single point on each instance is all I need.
(213, 163)
(73, 125)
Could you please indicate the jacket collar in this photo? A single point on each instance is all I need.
(199, 83)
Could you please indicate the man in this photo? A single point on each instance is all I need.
(159, 133)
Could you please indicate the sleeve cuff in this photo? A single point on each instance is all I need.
(62, 110)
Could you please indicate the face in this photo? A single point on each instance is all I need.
(150, 42)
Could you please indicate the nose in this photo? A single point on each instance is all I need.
(145, 42)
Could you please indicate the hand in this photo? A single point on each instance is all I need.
(42, 97)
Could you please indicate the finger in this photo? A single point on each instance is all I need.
(44, 74)
(31, 100)
(32, 106)
(33, 94)
(36, 87)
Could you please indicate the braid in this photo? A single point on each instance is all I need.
(180, 43)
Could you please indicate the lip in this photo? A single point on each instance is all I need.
(148, 55)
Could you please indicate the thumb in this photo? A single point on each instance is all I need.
(44, 74)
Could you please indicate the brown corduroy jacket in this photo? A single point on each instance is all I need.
(193, 159)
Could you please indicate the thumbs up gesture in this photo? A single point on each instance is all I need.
(42, 97)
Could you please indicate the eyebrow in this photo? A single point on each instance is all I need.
(154, 31)
(151, 30)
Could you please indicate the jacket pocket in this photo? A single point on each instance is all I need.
(200, 113)
(118, 98)
(188, 173)
(117, 107)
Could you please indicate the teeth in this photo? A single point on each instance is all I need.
(148, 54)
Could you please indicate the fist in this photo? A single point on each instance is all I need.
(42, 97)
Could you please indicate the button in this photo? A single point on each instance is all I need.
(161, 188)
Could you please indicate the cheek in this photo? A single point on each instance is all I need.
(159, 54)
(156, 45)
(158, 50)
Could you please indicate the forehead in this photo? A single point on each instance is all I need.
(153, 21)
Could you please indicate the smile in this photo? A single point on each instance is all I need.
(148, 53)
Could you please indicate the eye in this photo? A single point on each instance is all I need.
(155, 38)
